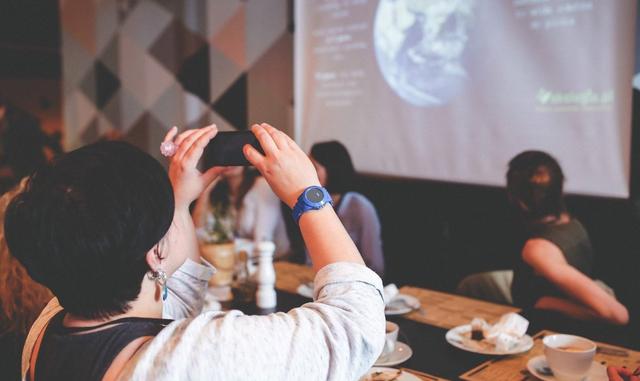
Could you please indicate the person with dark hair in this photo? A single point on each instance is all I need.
(21, 299)
(110, 234)
(243, 196)
(23, 145)
(555, 266)
(535, 186)
(337, 173)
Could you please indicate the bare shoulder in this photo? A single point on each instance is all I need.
(539, 251)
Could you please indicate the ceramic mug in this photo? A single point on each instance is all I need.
(569, 357)
(391, 337)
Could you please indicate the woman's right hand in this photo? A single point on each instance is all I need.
(287, 169)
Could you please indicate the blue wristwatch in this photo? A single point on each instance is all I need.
(312, 198)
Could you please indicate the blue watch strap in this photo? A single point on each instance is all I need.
(304, 204)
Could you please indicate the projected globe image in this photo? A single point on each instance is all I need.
(419, 46)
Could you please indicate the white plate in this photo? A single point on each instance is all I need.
(404, 376)
(401, 304)
(540, 369)
(460, 337)
(401, 353)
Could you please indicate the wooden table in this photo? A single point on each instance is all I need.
(446, 310)
(426, 334)
(440, 309)
(515, 367)
(289, 276)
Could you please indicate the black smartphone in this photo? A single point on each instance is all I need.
(225, 149)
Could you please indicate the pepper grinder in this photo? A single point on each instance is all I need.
(266, 275)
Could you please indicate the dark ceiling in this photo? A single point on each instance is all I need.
(30, 39)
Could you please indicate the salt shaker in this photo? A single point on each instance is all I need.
(266, 275)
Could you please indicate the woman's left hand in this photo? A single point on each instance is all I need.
(188, 182)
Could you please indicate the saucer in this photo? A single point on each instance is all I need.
(460, 337)
(401, 304)
(538, 367)
(388, 374)
(401, 353)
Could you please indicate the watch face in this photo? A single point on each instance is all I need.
(314, 195)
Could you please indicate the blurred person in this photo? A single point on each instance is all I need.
(622, 374)
(21, 299)
(337, 173)
(556, 263)
(107, 231)
(23, 145)
(246, 198)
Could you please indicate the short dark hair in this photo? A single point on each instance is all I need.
(85, 222)
(341, 173)
(535, 180)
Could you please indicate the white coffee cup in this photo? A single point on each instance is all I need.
(569, 357)
(391, 338)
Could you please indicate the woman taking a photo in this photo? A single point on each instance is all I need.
(104, 227)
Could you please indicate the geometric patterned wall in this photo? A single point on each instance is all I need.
(139, 67)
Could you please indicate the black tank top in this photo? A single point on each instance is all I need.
(572, 239)
(78, 354)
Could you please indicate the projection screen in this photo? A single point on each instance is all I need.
(451, 90)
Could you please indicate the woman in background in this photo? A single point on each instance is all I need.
(556, 262)
(246, 199)
(21, 299)
(337, 173)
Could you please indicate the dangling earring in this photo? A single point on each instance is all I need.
(159, 275)
(161, 278)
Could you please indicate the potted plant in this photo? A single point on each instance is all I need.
(216, 245)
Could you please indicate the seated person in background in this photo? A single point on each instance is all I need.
(244, 198)
(555, 265)
(108, 232)
(23, 145)
(358, 215)
(21, 300)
